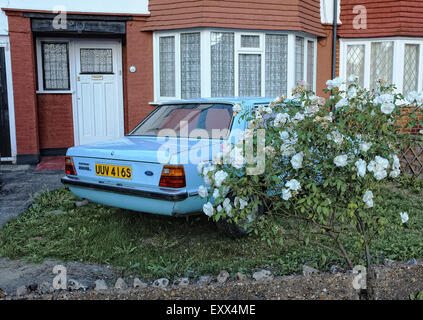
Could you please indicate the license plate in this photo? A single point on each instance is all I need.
(106, 170)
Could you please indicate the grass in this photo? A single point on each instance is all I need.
(155, 246)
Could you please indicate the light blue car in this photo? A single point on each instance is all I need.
(147, 173)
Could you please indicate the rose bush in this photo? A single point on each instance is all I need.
(324, 165)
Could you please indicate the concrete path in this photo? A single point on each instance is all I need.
(17, 186)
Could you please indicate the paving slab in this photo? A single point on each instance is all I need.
(18, 184)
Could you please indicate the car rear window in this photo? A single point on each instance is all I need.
(184, 118)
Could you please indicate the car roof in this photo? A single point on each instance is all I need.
(229, 100)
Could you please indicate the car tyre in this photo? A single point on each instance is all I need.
(235, 231)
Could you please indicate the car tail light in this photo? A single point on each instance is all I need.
(173, 177)
(70, 167)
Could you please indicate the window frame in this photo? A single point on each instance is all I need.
(40, 65)
(398, 59)
(205, 45)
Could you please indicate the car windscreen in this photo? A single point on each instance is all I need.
(184, 118)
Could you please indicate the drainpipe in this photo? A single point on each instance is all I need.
(335, 31)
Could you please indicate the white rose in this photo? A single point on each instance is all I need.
(216, 193)
(382, 162)
(297, 161)
(202, 191)
(380, 174)
(341, 103)
(361, 167)
(237, 159)
(404, 217)
(387, 107)
(395, 173)
(368, 198)
(281, 119)
(219, 177)
(384, 98)
(200, 166)
(208, 209)
(365, 146)
(341, 161)
(286, 194)
(227, 205)
(335, 83)
(293, 185)
(336, 137)
(396, 167)
(284, 135)
(298, 117)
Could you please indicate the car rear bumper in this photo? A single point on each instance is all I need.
(162, 194)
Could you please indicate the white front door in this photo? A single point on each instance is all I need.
(99, 98)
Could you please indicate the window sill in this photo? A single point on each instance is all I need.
(55, 92)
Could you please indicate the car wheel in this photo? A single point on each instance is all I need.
(235, 231)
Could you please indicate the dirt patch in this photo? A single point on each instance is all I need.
(397, 282)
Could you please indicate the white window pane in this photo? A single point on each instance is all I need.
(299, 59)
(249, 75)
(55, 66)
(190, 65)
(248, 41)
(96, 61)
(276, 65)
(310, 65)
(355, 62)
(222, 64)
(167, 66)
(411, 68)
(381, 62)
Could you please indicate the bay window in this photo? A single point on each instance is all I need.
(395, 60)
(382, 55)
(223, 63)
(276, 64)
(167, 66)
(190, 65)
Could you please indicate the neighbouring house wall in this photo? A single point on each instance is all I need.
(324, 61)
(292, 15)
(24, 84)
(385, 18)
(55, 121)
(138, 86)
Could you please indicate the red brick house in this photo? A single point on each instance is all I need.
(100, 75)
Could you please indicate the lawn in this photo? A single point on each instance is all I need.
(154, 246)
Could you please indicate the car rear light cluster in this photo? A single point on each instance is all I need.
(70, 167)
(173, 177)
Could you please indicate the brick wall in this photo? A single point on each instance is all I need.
(138, 86)
(296, 15)
(24, 84)
(385, 18)
(55, 121)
